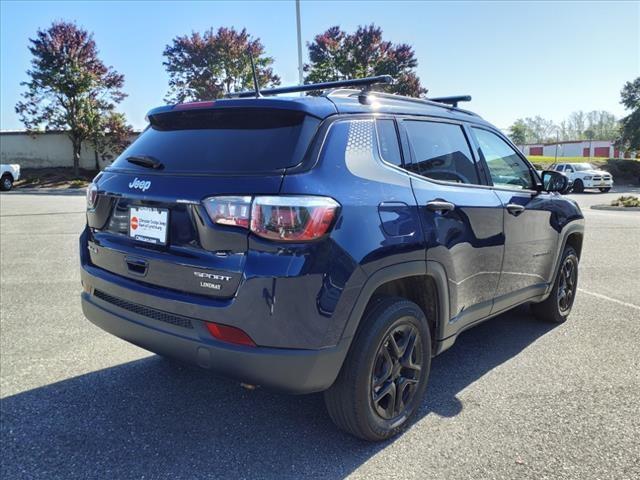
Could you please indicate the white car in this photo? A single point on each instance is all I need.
(585, 175)
(8, 175)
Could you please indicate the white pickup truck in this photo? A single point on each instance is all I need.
(8, 175)
(585, 175)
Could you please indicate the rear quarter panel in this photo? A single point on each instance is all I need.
(378, 223)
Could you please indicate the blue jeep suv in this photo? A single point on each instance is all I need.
(328, 243)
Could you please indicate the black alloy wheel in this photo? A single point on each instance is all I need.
(383, 380)
(567, 280)
(396, 371)
(557, 306)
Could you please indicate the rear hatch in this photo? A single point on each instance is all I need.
(148, 222)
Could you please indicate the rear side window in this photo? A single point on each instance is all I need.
(388, 142)
(224, 140)
(441, 152)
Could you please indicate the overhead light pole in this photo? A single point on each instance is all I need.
(299, 32)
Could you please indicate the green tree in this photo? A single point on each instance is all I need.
(69, 85)
(629, 138)
(602, 124)
(337, 55)
(576, 125)
(209, 65)
(518, 132)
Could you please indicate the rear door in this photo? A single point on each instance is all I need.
(530, 230)
(461, 218)
(170, 210)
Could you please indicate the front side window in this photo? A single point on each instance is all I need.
(506, 167)
(441, 152)
(558, 168)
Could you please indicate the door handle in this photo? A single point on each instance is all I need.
(137, 266)
(515, 209)
(440, 206)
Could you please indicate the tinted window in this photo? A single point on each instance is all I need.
(224, 140)
(388, 141)
(507, 169)
(441, 152)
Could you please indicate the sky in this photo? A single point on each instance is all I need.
(516, 59)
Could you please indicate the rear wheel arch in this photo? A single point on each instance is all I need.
(419, 282)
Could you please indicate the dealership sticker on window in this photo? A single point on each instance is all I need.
(148, 224)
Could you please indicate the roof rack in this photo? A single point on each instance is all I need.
(366, 83)
(438, 102)
(453, 101)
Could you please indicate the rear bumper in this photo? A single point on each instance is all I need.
(288, 370)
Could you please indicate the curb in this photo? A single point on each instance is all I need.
(615, 209)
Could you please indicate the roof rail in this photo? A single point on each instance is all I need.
(453, 101)
(402, 98)
(309, 87)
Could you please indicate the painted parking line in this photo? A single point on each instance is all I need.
(614, 300)
(40, 213)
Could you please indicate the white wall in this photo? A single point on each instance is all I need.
(574, 149)
(564, 150)
(49, 149)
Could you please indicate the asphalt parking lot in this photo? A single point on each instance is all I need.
(514, 398)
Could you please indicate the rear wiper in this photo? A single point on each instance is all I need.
(145, 161)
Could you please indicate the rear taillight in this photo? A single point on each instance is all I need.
(292, 219)
(280, 218)
(233, 211)
(92, 195)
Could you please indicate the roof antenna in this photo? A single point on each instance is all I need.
(255, 75)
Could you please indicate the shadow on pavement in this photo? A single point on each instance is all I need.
(70, 192)
(154, 419)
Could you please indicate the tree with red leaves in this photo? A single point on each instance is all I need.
(69, 85)
(337, 55)
(111, 134)
(210, 65)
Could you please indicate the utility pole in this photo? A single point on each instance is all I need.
(300, 73)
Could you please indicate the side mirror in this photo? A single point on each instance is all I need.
(553, 181)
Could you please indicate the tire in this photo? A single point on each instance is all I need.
(605, 189)
(557, 307)
(578, 186)
(372, 358)
(6, 183)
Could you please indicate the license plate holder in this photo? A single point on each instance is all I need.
(149, 224)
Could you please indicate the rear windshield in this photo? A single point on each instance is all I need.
(223, 141)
